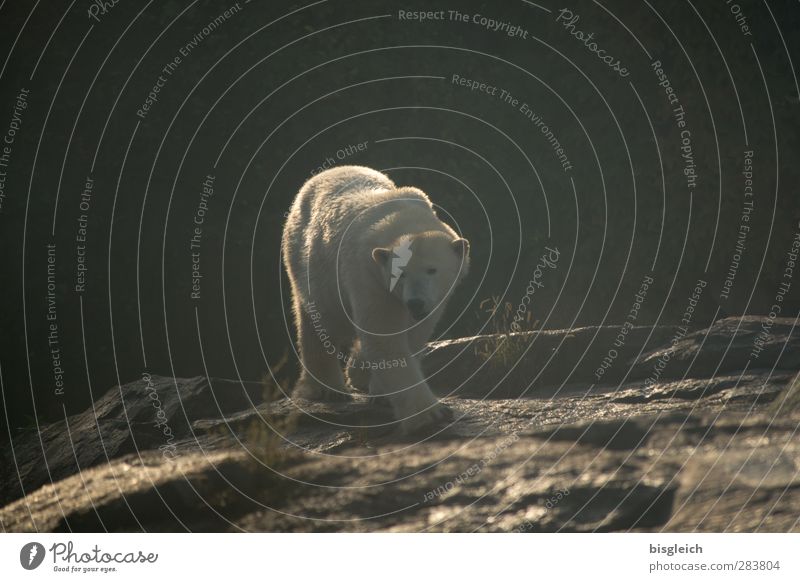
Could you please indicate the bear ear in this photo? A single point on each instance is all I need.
(461, 247)
(381, 255)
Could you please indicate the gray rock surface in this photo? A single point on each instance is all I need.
(789, 400)
(688, 452)
(138, 416)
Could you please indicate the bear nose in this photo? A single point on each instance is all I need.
(416, 307)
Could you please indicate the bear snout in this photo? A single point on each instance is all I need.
(417, 308)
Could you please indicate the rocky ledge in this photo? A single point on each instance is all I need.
(679, 432)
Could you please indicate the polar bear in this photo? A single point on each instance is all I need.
(371, 268)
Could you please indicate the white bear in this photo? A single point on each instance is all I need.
(371, 268)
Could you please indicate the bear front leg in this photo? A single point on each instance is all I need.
(398, 376)
(321, 375)
(356, 372)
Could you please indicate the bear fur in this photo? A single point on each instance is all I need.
(371, 269)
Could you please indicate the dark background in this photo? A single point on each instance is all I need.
(278, 88)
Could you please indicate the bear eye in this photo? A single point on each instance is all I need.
(431, 271)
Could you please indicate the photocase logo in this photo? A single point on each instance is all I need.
(31, 555)
(402, 254)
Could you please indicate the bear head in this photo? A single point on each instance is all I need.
(422, 270)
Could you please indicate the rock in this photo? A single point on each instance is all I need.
(788, 401)
(525, 483)
(758, 386)
(141, 493)
(535, 363)
(749, 486)
(500, 484)
(680, 479)
(138, 416)
(730, 344)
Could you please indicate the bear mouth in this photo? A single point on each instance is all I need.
(418, 314)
